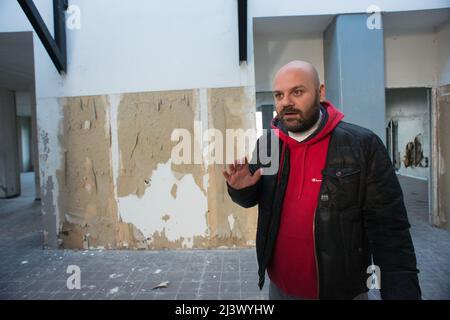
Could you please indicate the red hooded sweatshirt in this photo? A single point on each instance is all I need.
(293, 266)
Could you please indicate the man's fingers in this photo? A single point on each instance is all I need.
(231, 168)
(257, 175)
(245, 164)
(226, 175)
(241, 163)
(238, 164)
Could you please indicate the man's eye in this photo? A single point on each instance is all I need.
(278, 96)
(297, 92)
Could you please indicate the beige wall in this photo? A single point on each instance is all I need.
(115, 185)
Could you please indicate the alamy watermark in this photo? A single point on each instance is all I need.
(374, 280)
(74, 280)
(373, 22)
(211, 146)
(73, 17)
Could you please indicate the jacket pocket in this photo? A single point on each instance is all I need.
(348, 175)
(343, 184)
(351, 233)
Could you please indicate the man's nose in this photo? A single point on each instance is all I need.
(287, 101)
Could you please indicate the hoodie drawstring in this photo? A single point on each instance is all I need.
(283, 150)
(303, 175)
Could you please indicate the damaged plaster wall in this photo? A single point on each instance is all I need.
(167, 202)
(116, 185)
(87, 204)
(443, 172)
(146, 122)
(49, 118)
(409, 107)
(229, 108)
(180, 206)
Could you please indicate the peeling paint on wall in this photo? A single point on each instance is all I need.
(49, 117)
(49, 213)
(146, 122)
(117, 186)
(229, 108)
(87, 205)
(150, 187)
(150, 212)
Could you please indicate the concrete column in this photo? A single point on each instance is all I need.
(9, 151)
(34, 144)
(354, 71)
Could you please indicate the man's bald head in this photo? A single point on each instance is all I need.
(305, 69)
(297, 94)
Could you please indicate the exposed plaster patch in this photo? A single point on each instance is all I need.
(87, 202)
(173, 191)
(206, 181)
(146, 122)
(49, 213)
(118, 187)
(231, 221)
(45, 146)
(49, 116)
(229, 108)
(187, 211)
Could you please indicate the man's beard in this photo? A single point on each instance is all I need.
(302, 124)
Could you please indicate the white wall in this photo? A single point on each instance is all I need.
(411, 60)
(133, 46)
(272, 51)
(443, 55)
(139, 45)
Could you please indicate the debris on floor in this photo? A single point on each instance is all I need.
(164, 284)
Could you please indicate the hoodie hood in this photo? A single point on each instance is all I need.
(331, 118)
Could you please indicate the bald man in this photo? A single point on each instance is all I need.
(334, 205)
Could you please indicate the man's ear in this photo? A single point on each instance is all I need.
(322, 92)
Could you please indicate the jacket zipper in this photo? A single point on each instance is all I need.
(278, 186)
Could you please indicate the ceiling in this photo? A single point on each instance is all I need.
(415, 21)
(294, 24)
(393, 23)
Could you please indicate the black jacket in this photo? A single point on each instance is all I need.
(360, 215)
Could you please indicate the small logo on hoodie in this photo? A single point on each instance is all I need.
(316, 180)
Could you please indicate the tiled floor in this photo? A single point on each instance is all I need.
(133, 275)
(28, 272)
(432, 245)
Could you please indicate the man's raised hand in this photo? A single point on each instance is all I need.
(238, 175)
